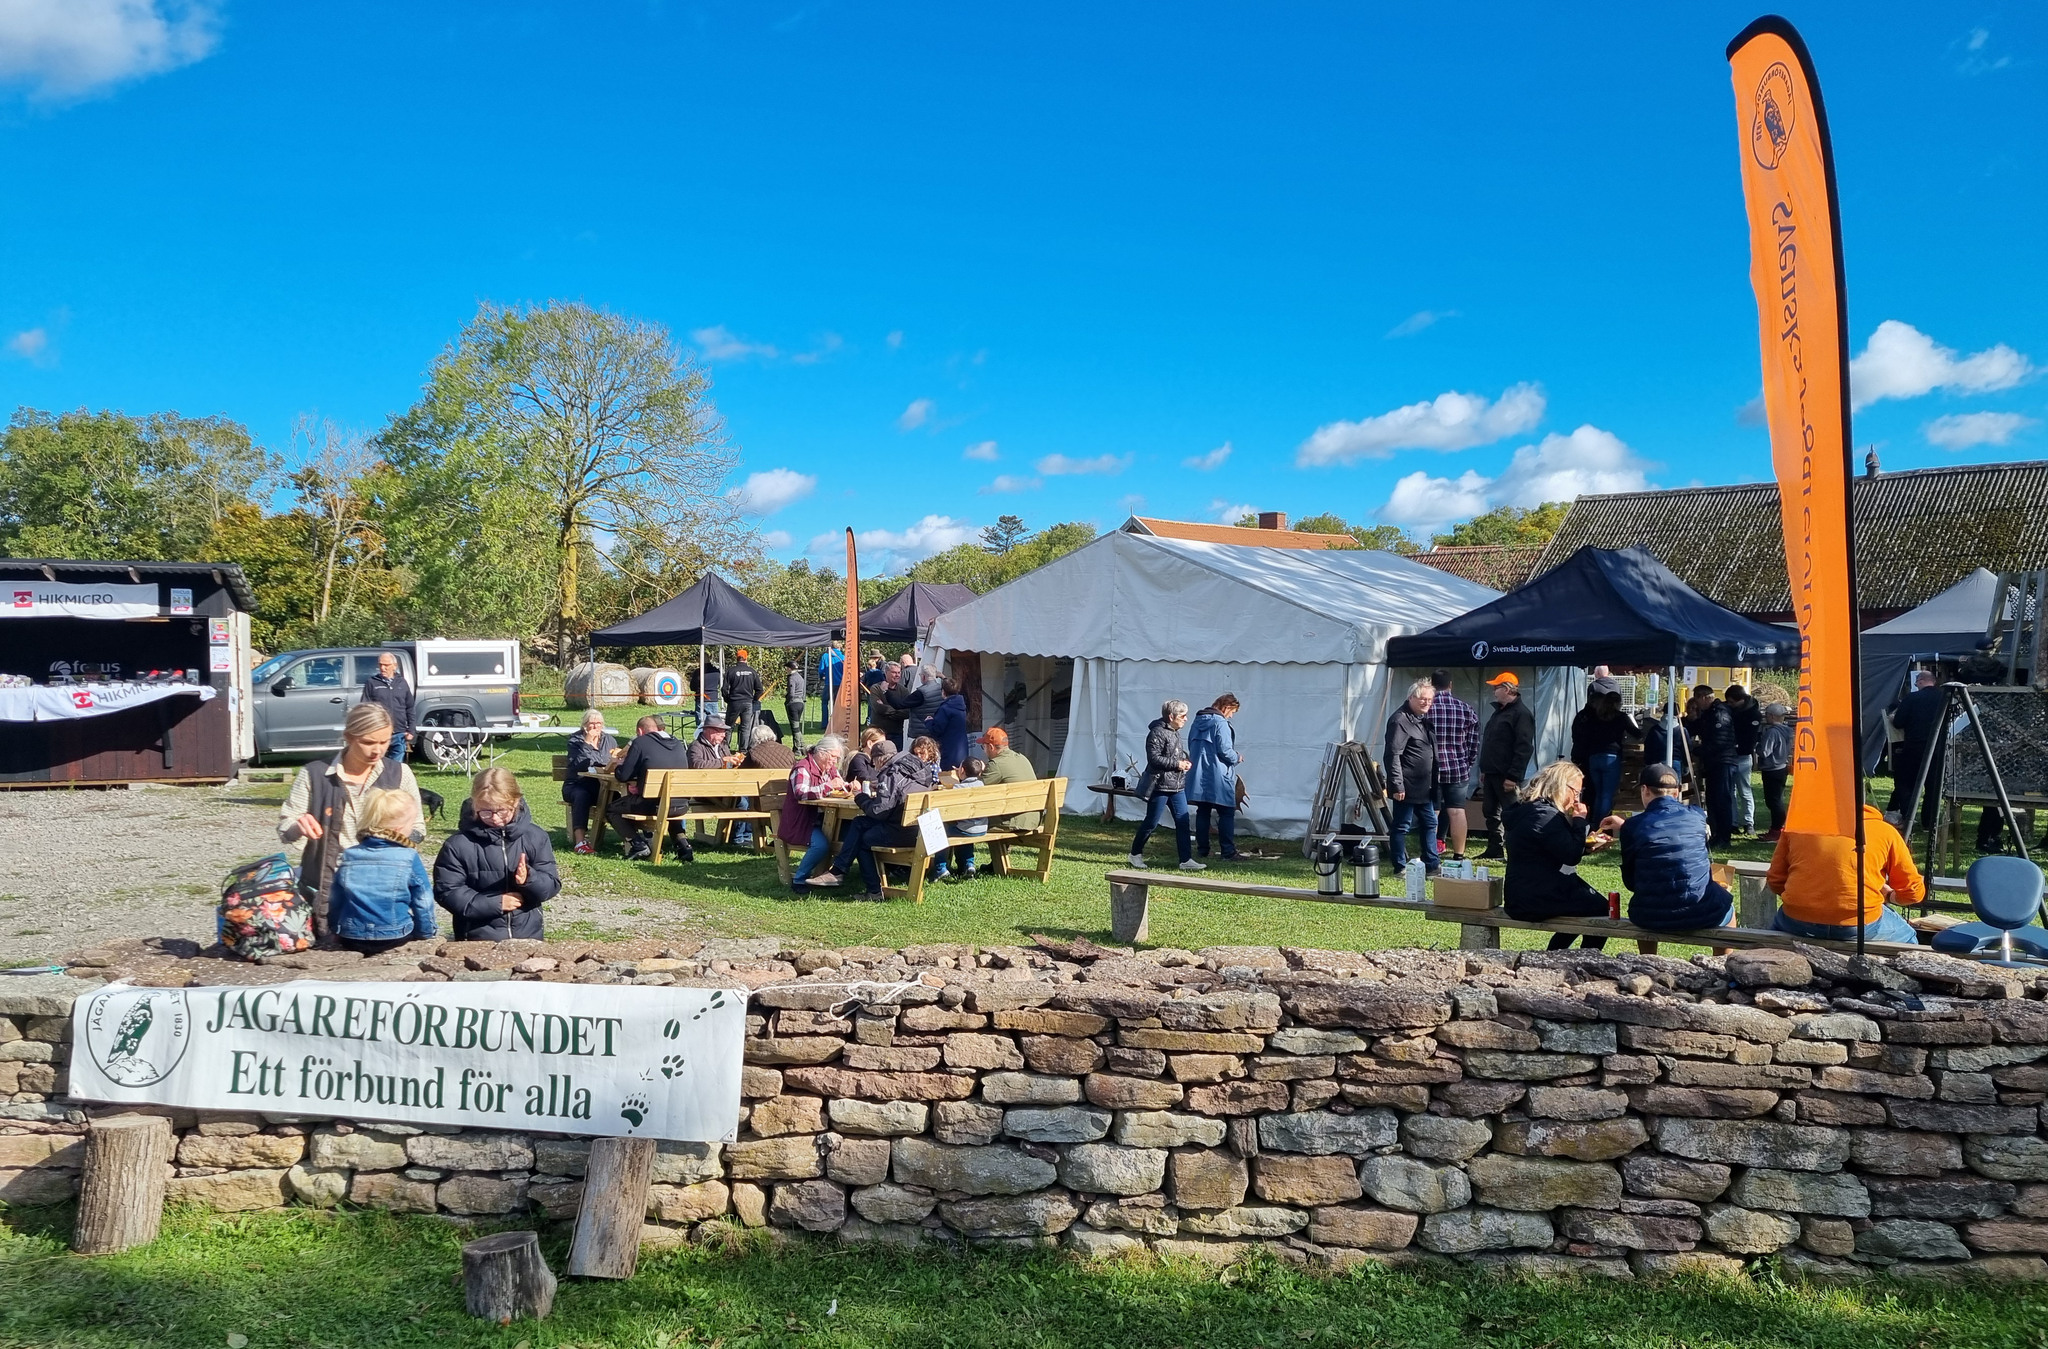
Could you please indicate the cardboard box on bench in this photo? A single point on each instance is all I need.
(1456, 894)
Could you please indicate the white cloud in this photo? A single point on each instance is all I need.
(917, 414)
(1588, 461)
(1013, 482)
(33, 346)
(1964, 429)
(893, 550)
(1752, 412)
(1900, 361)
(723, 344)
(981, 452)
(768, 491)
(1976, 60)
(1420, 319)
(777, 538)
(1450, 421)
(1978, 37)
(1420, 501)
(1208, 463)
(1230, 512)
(66, 49)
(1063, 466)
(895, 339)
(828, 345)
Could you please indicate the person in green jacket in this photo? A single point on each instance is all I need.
(1007, 765)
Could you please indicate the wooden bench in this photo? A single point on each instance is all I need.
(1478, 929)
(974, 803)
(664, 785)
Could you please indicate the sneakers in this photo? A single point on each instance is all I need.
(583, 847)
(969, 873)
(1138, 862)
(640, 849)
(1192, 865)
(825, 880)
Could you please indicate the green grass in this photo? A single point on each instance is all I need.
(736, 893)
(304, 1278)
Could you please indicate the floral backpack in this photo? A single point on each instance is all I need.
(262, 912)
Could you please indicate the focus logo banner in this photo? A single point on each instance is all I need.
(608, 1061)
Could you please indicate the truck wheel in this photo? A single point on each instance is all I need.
(435, 748)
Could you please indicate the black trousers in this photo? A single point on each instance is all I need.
(1494, 796)
(1774, 795)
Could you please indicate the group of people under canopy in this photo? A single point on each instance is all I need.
(1626, 608)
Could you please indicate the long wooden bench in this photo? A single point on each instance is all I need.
(1044, 795)
(1478, 929)
(665, 785)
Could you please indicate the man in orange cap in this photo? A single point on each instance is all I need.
(742, 697)
(1504, 750)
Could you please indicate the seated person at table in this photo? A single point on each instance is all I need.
(766, 750)
(652, 749)
(1814, 877)
(1004, 765)
(867, 760)
(1664, 862)
(497, 869)
(802, 825)
(962, 857)
(879, 824)
(1546, 838)
(709, 750)
(381, 896)
(590, 749)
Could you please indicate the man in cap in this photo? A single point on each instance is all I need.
(742, 692)
(1664, 861)
(1504, 751)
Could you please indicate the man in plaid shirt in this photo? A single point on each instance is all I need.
(1457, 752)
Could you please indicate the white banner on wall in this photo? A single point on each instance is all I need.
(603, 1060)
(68, 702)
(76, 599)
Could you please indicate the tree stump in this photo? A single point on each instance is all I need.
(607, 1244)
(504, 1277)
(121, 1193)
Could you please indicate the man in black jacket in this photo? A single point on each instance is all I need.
(1748, 715)
(1713, 726)
(742, 692)
(1410, 762)
(652, 748)
(1504, 750)
(1918, 716)
(387, 689)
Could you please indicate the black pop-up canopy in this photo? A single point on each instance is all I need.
(1600, 607)
(908, 612)
(1950, 626)
(712, 613)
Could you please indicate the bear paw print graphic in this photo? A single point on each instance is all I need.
(634, 1110)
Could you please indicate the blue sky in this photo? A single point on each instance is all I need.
(946, 263)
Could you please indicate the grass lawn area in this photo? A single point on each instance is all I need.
(736, 893)
(306, 1278)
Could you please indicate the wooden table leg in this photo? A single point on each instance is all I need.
(604, 802)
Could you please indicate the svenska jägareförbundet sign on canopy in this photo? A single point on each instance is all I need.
(596, 1060)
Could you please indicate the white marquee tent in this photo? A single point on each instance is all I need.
(1077, 656)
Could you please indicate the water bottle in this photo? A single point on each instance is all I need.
(1412, 879)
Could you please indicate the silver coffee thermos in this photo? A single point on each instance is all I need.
(1329, 863)
(1364, 856)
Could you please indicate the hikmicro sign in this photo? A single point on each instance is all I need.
(623, 1062)
(69, 599)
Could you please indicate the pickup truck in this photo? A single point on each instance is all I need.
(300, 698)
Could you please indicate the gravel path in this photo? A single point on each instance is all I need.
(78, 868)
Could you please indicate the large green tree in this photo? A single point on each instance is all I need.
(984, 566)
(107, 486)
(552, 443)
(1516, 526)
(1382, 538)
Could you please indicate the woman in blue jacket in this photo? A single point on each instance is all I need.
(1212, 775)
(380, 896)
(948, 726)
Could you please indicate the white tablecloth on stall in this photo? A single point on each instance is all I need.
(65, 702)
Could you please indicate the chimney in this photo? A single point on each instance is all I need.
(1870, 462)
(1272, 519)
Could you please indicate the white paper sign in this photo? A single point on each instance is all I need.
(217, 632)
(220, 659)
(643, 1062)
(181, 601)
(70, 599)
(933, 830)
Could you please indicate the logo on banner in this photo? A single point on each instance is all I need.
(24, 599)
(81, 698)
(137, 1037)
(1771, 126)
(1479, 650)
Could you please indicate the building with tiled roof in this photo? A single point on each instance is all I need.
(1501, 566)
(1271, 533)
(1917, 533)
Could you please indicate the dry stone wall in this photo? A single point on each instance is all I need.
(1614, 1115)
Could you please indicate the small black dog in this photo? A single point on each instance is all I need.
(431, 801)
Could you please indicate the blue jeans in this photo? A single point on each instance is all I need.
(743, 830)
(858, 841)
(1183, 837)
(1603, 775)
(814, 854)
(1888, 927)
(397, 749)
(1422, 815)
(1743, 807)
(1226, 830)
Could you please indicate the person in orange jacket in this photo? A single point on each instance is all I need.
(1814, 877)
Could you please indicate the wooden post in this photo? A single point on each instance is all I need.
(1129, 917)
(607, 1244)
(504, 1277)
(121, 1194)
